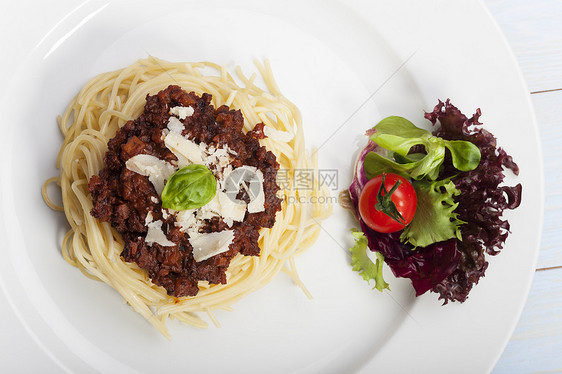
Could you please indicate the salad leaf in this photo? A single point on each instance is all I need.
(361, 263)
(190, 187)
(435, 218)
(482, 200)
(465, 155)
(426, 166)
(427, 267)
(400, 126)
(450, 267)
(398, 136)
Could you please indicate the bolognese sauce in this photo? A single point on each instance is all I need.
(131, 201)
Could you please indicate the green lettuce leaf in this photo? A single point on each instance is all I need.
(465, 155)
(397, 136)
(435, 219)
(400, 126)
(361, 262)
(426, 166)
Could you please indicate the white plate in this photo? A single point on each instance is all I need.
(346, 66)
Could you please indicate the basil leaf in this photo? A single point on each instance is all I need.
(190, 187)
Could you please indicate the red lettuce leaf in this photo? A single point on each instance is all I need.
(481, 202)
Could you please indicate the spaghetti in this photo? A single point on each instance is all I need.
(104, 105)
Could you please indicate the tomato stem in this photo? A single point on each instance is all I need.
(384, 201)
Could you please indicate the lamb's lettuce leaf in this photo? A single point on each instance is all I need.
(398, 136)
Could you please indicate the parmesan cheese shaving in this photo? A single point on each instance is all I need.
(175, 125)
(210, 244)
(257, 201)
(185, 150)
(280, 136)
(182, 112)
(187, 222)
(251, 180)
(157, 171)
(156, 235)
(231, 210)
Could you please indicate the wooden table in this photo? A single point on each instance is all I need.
(533, 28)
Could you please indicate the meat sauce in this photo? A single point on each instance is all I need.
(125, 198)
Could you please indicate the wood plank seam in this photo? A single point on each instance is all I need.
(549, 268)
(545, 91)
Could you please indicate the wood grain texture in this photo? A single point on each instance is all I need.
(534, 30)
(536, 344)
(548, 108)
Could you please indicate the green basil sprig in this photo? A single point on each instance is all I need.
(190, 187)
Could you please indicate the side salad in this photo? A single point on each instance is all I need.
(430, 204)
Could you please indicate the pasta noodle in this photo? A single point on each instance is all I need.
(105, 104)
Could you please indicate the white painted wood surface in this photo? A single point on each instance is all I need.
(534, 30)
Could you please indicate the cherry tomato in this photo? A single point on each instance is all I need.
(377, 214)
